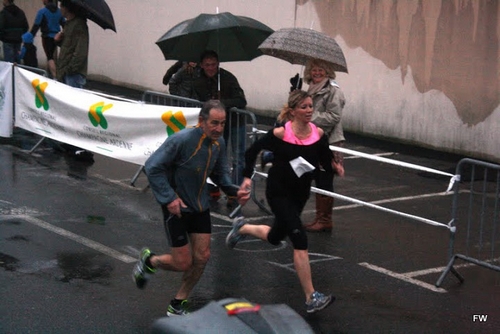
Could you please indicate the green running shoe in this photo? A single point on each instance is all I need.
(142, 272)
(175, 309)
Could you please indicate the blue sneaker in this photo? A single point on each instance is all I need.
(142, 272)
(318, 302)
(234, 236)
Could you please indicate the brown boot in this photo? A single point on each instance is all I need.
(318, 206)
(324, 207)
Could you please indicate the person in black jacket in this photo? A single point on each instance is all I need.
(171, 71)
(13, 24)
(217, 83)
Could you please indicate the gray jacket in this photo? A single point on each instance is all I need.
(181, 165)
(328, 105)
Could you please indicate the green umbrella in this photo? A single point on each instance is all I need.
(234, 38)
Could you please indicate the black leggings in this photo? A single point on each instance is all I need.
(287, 222)
(49, 46)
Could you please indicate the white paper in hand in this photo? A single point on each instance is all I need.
(301, 166)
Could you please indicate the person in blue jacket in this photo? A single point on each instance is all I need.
(49, 20)
(177, 173)
(28, 51)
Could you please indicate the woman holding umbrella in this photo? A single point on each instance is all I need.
(328, 102)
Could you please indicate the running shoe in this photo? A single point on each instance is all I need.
(142, 272)
(234, 236)
(318, 302)
(175, 309)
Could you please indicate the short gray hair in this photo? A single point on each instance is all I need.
(209, 105)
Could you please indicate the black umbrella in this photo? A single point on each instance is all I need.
(234, 38)
(97, 11)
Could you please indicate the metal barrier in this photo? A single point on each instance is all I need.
(36, 70)
(234, 146)
(372, 157)
(163, 99)
(479, 208)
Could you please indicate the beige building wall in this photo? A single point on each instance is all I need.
(420, 71)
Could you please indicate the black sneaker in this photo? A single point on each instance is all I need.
(234, 236)
(142, 272)
(178, 309)
(84, 155)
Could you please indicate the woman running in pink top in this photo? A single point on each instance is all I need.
(287, 190)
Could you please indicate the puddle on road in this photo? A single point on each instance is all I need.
(98, 220)
(8, 262)
(83, 266)
(18, 238)
(65, 268)
(9, 221)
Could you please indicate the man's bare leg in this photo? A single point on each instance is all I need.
(200, 247)
(52, 68)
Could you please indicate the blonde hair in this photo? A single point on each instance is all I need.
(294, 99)
(330, 72)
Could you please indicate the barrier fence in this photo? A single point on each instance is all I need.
(163, 99)
(453, 179)
(475, 219)
(475, 215)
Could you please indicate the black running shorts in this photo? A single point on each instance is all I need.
(178, 228)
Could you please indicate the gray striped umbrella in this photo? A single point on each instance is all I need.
(297, 45)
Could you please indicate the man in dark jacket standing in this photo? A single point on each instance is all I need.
(71, 66)
(13, 24)
(219, 84)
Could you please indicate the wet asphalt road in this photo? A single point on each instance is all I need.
(70, 233)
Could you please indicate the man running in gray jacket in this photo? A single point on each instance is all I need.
(177, 172)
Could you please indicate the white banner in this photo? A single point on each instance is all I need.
(6, 113)
(128, 131)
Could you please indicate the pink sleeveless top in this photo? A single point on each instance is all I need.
(290, 137)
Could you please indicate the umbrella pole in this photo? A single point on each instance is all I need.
(218, 82)
(218, 67)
